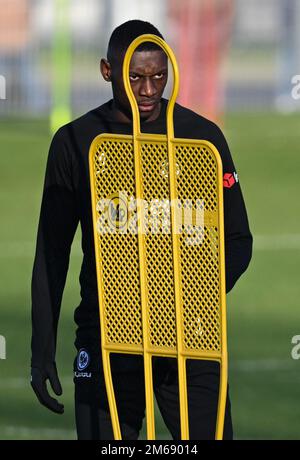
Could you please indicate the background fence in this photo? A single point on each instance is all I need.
(244, 53)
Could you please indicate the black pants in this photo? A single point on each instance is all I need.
(91, 406)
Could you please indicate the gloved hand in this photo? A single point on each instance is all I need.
(39, 378)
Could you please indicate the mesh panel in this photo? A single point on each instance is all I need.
(160, 284)
(113, 172)
(199, 258)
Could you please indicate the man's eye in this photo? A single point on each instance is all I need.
(133, 77)
(159, 76)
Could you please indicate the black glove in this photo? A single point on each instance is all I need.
(39, 385)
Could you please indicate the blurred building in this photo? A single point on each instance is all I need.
(14, 51)
(232, 54)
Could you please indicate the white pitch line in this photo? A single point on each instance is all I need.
(277, 242)
(35, 433)
(26, 249)
(286, 241)
(21, 383)
(265, 365)
(243, 365)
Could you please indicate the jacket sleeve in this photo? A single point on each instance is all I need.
(57, 225)
(238, 238)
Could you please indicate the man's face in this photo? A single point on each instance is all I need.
(148, 74)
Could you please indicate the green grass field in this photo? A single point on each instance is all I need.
(263, 309)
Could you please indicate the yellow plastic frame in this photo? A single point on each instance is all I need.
(182, 355)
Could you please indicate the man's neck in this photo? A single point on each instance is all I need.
(120, 116)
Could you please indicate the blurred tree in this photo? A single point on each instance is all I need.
(202, 37)
(14, 26)
(14, 42)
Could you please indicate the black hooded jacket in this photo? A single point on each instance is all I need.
(66, 202)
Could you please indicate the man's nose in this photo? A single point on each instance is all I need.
(147, 88)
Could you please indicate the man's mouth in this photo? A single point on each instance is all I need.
(147, 106)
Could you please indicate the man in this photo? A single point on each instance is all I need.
(66, 202)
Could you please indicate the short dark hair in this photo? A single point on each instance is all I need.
(124, 34)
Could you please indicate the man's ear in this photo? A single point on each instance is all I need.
(105, 69)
